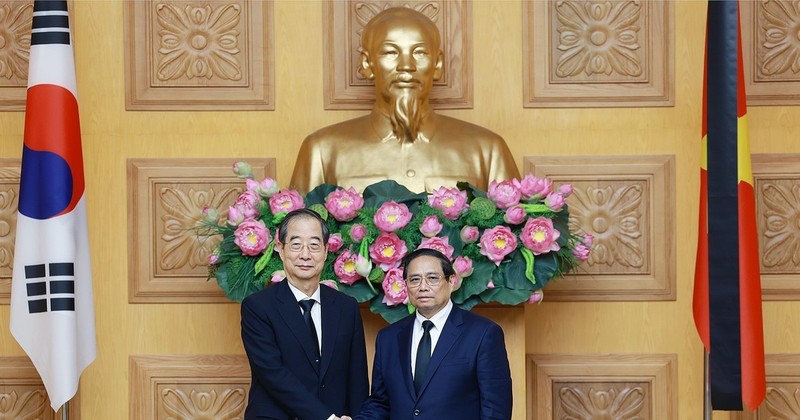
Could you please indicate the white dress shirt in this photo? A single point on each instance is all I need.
(438, 324)
(316, 310)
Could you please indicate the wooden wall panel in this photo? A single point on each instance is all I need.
(196, 55)
(166, 198)
(188, 387)
(777, 188)
(783, 389)
(627, 204)
(22, 393)
(344, 22)
(9, 198)
(598, 54)
(598, 386)
(770, 50)
(14, 53)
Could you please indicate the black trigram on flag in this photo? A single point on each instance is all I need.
(50, 23)
(61, 284)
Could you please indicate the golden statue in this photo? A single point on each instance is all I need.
(402, 139)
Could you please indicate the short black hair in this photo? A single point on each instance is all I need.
(303, 214)
(447, 266)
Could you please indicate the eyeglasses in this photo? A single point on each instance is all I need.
(432, 280)
(313, 247)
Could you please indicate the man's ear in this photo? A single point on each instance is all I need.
(366, 67)
(438, 69)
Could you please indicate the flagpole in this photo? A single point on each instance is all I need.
(65, 411)
(706, 388)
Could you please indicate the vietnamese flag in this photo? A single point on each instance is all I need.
(727, 290)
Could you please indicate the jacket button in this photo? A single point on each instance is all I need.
(416, 412)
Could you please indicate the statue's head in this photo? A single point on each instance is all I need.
(401, 53)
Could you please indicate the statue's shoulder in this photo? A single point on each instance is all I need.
(353, 129)
(460, 128)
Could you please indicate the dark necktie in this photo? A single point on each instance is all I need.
(306, 304)
(423, 355)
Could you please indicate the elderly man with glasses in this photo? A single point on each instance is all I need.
(441, 363)
(305, 343)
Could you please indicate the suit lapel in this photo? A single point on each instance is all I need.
(450, 333)
(404, 350)
(331, 319)
(292, 314)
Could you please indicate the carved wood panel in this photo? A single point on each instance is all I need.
(22, 393)
(167, 258)
(189, 387)
(627, 203)
(602, 386)
(199, 55)
(9, 199)
(15, 27)
(777, 189)
(580, 53)
(783, 390)
(344, 22)
(770, 50)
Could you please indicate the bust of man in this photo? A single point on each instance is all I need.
(402, 139)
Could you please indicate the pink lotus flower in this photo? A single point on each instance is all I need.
(277, 276)
(344, 204)
(438, 243)
(490, 285)
(335, 242)
(243, 170)
(540, 236)
(565, 190)
(330, 283)
(469, 234)
(266, 188)
(247, 204)
(387, 250)
(286, 201)
(456, 283)
(234, 216)
(212, 258)
(555, 201)
(363, 266)
(503, 194)
(498, 242)
(515, 215)
(536, 297)
(463, 266)
(210, 215)
(430, 226)
(533, 188)
(581, 252)
(251, 237)
(358, 232)
(451, 201)
(392, 216)
(345, 267)
(588, 239)
(394, 288)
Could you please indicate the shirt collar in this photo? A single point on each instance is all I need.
(439, 319)
(298, 295)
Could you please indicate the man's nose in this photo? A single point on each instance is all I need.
(406, 62)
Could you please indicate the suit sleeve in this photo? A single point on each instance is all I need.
(376, 407)
(358, 381)
(494, 376)
(258, 337)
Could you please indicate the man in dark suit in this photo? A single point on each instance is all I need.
(442, 363)
(305, 343)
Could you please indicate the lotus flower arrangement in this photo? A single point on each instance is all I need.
(506, 243)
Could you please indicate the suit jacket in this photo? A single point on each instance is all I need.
(287, 382)
(468, 376)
